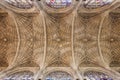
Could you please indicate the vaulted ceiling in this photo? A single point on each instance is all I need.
(74, 38)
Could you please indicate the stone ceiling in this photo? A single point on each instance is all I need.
(36, 38)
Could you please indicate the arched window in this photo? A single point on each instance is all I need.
(96, 3)
(58, 75)
(23, 4)
(20, 76)
(91, 75)
(58, 3)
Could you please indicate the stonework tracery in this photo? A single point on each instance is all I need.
(41, 39)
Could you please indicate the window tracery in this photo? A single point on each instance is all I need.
(58, 75)
(20, 76)
(24, 4)
(96, 3)
(58, 3)
(96, 76)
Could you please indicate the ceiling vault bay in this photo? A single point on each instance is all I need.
(37, 39)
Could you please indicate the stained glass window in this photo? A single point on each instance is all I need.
(58, 3)
(58, 75)
(24, 4)
(20, 76)
(96, 76)
(96, 3)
